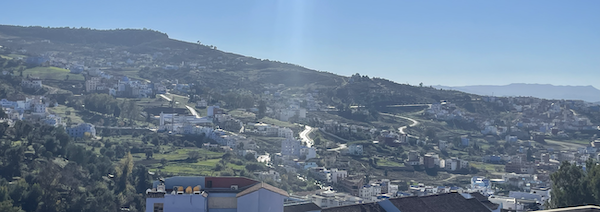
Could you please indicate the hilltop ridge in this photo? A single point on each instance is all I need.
(128, 37)
(156, 56)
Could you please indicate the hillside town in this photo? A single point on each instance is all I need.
(301, 148)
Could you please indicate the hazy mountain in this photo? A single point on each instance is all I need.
(546, 91)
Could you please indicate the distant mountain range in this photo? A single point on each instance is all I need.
(546, 91)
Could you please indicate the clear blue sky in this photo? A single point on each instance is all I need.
(434, 42)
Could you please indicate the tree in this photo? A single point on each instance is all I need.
(430, 133)
(7, 206)
(142, 179)
(571, 186)
(262, 109)
(250, 157)
(123, 171)
(193, 155)
(530, 155)
(149, 154)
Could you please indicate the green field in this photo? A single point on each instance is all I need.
(198, 168)
(495, 169)
(61, 112)
(12, 56)
(182, 154)
(241, 114)
(384, 162)
(52, 73)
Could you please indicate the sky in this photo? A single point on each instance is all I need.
(442, 42)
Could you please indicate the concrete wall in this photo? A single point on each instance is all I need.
(186, 202)
(248, 202)
(150, 203)
(270, 201)
(262, 200)
(222, 201)
(173, 203)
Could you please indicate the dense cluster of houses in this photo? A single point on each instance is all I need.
(121, 87)
(35, 109)
(536, 116)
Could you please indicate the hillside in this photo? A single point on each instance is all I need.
(205, 66)
(545, 91)
(127, 37)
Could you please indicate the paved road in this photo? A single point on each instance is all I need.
(304, 136)
(452, 176)
(401, 129)
(193, 111)
(341, 146)
(165, 97)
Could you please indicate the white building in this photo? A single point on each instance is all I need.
(285, 132)
(325, 199)
(508, 203)
(369, 192)
(39, 108)
(290, 146)
(31, 83)
(337, 175)
(92, 84)
(309, 152)
(201, 103)
(205, 194)
(443, 145)
(271, 175)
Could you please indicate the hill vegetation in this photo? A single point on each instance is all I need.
(124, 37)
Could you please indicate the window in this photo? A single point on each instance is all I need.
(158, 207)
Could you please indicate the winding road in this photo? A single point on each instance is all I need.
(401, 129)
(304, 136)
(191, 109)
(165, 97)
(341, 146)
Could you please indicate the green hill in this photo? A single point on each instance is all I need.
(215, 70)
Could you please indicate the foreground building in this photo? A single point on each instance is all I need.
(215, 194)
(449, 202)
